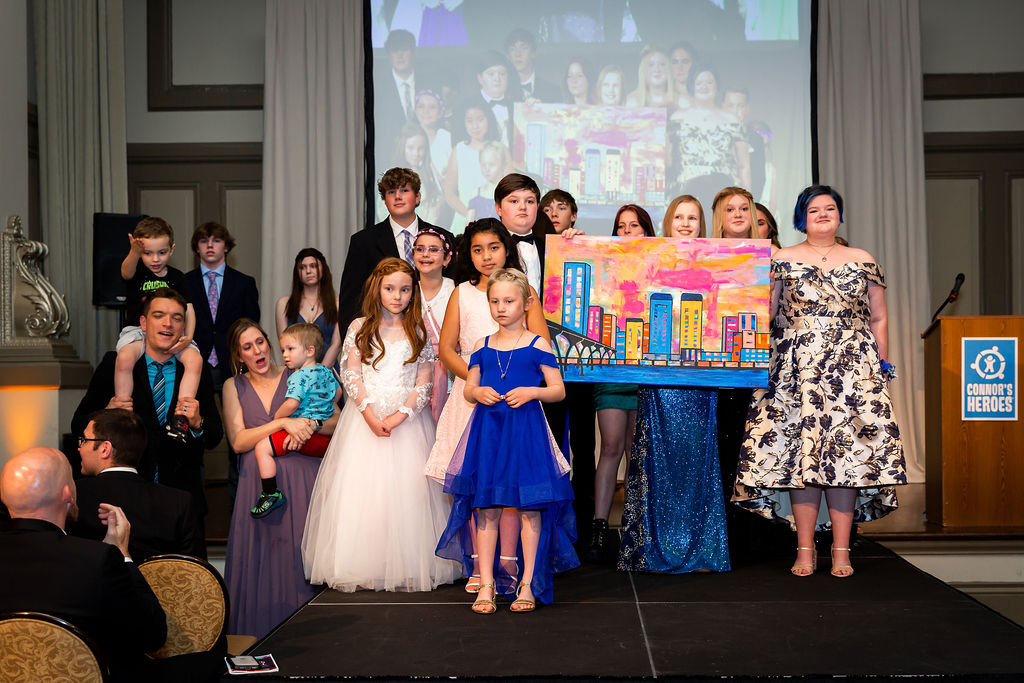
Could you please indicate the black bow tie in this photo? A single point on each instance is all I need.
(524, 238)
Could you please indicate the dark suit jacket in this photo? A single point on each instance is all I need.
(180, 466)
(367, 248)
(545, 91)
(86, 583)
(238, 299)
(163, 519)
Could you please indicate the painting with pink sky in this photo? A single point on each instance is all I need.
(600, 155)
(655, 310)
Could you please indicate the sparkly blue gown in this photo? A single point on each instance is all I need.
(674, 516)
(506, 458)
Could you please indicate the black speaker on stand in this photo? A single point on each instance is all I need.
(110, 244)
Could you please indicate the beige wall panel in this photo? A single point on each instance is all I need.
(953, 216)
(217, 42)
(243, 215)
(177, 206)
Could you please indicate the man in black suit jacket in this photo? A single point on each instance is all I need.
(165, 460)
(236, 293)
(163, 519)
(400, 190)
(521, 49)
(394, 101)
(95, 586)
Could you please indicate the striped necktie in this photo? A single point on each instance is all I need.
(408, 246)
(160, 393)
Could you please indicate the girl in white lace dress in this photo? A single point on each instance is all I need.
(374, 519)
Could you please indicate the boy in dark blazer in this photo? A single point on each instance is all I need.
(234, 296)
(393, 236)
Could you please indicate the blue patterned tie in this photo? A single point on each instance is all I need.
(160, 393)
(408, 246)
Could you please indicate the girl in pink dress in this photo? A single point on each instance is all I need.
(431, 253)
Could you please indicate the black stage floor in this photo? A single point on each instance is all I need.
(888, 620)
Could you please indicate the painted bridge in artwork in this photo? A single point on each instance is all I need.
(659, 310)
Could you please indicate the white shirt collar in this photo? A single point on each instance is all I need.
(120, 469)
(411, 81)
(413, 228)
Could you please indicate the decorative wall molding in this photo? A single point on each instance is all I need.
(973, 86)
(35, 312)
(164, 95)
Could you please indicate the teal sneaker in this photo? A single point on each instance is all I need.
(267, 503)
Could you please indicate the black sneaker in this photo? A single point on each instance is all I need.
(267, 503)
(178, 428)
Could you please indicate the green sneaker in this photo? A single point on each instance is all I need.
(266, 504)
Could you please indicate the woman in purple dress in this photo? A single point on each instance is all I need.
(263, 569)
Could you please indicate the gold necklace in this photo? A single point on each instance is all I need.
(312, 306)
(824, 257)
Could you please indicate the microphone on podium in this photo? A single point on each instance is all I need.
(953, 294)
(956, 287)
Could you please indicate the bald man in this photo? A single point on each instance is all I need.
(94, 585)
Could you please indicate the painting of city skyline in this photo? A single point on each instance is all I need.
(599, 154)
(660, 311)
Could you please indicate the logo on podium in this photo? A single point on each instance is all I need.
(989, 378)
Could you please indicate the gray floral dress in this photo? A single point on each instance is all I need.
(826, 418)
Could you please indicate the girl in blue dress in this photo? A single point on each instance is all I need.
(507, 458)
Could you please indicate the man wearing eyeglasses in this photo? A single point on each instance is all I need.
(163, 519)
(393, 236)
(157, 376)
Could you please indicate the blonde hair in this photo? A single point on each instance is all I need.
(718, 210)
(516, 277)
(308, 335)
(640, 93)
(666, 223)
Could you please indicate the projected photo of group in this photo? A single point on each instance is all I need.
(613, 101)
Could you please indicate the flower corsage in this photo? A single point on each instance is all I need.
(889, 371)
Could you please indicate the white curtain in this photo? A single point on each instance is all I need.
(871, 148)
(314, 131)
(82, 152)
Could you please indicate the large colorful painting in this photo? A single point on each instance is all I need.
(600, 155)
(662, 311)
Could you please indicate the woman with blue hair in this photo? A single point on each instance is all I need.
(825, 423)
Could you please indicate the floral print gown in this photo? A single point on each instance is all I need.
(826, 418)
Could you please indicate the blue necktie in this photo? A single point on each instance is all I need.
(160, 393)
(408, 246)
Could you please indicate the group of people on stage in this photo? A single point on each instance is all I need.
(442, 461)
(460, 143)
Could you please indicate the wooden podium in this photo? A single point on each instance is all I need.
(974, 469)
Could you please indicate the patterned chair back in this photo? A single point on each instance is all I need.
(194, 599)
(38, 647)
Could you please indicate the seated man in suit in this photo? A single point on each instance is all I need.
(220, 295)
(400, 190)
(163, 519)
(157, 375)
(93, 585)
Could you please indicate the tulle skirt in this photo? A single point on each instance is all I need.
(506, 458)
(374, 518)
